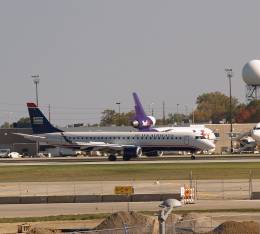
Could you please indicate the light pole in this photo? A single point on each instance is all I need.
(36, 81)
(9, 118)
(229, 74)
(177, 113)
(167, 207)
(119, 112)
(151, 107)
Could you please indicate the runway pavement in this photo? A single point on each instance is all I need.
(21, 162)
(39, 210)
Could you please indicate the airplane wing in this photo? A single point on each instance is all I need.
(238, 135)
(85, 146)
(89, 146)
(30, 137)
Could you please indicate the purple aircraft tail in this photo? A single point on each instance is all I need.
(141, 120)
(139, 110)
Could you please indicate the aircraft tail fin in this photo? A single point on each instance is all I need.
(139, 110)
(39, 122)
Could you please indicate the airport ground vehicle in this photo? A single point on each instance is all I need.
(4, 153)
(14, 155)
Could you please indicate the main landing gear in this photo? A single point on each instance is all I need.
(112, 157)
(192, 156)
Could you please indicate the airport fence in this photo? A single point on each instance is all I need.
(196, 223)
(218, 224)
(145, 229)
(204, 189)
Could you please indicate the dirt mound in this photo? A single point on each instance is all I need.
(196, 223)
(143, 223)
(42, 231)
(232, 227)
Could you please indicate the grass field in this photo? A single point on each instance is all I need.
(128, 172)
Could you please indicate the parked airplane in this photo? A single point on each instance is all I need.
(249, 139)
(255, 133)
(130, 144)
(147, 123)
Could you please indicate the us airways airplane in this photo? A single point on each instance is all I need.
(146, 123)
(129, 144)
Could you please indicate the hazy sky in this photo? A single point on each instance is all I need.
(91, 54)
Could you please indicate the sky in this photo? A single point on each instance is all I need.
(92, 54)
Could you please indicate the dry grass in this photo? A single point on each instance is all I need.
(117, 172)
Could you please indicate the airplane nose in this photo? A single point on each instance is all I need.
(209, 145)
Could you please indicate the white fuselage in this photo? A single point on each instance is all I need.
(206, 132)
(145, 140)
(255, 133)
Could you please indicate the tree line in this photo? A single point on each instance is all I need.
(213, 107)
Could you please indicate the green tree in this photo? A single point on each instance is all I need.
(213, 107)
(110, 117)
(6, 125)
(23, 122)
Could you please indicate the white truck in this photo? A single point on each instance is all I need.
(4, 153)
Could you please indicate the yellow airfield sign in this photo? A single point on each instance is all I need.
(124, 190)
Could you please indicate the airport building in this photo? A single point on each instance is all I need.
(15, 143)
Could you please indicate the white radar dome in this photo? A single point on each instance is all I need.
(251, 73)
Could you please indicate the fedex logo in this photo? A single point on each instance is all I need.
(146, 123)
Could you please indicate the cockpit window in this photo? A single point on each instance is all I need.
(200, 137)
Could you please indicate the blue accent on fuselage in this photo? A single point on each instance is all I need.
(39, 123)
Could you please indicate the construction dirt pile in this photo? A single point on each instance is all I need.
(43, 231)
(232, 227)
(195, 223)
(136, 222)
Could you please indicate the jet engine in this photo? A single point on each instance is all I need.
(131, 152)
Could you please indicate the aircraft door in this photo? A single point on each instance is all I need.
(186, 140)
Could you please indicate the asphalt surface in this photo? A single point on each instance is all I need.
(143, 160)
(39, 210)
